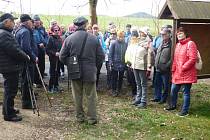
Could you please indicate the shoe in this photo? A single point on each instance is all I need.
(155, 100)
(16, 111)
(27, 107)
(170, 108)
(135, 102)
(114, 93)
(51, 91)
(45, 74)
(183, 114)
(142, 105)
(162, 102)
(92, 122)
(13, 119)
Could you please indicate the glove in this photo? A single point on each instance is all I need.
(148, 73)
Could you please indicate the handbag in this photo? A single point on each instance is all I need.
(73, 63)
(198, 63)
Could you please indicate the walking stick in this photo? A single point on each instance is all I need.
(31, 92)
(43, 85)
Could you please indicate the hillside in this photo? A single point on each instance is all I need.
(140, 15)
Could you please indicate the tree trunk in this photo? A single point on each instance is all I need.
(93, 14)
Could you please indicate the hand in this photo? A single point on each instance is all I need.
(28, 58)
(148, 73)
(36, 60)
(41, 45)
(57, 54)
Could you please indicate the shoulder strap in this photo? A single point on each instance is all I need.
(83, 45)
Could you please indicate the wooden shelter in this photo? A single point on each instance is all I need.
(195, 17)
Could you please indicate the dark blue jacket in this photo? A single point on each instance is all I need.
(24, 36)
(117, 55)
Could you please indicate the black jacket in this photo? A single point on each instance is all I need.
(163, 57)
(11, 56)
(54, 45)
(93, 54)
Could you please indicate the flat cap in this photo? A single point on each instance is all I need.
(7, 16)
(24, 17)
(79, 21)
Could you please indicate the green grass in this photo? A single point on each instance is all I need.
(103, 22)
(120, 120)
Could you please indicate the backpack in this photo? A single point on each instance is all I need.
(199, 62)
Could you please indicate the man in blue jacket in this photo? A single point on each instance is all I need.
(10, 58)
(40, 39)
(24, 35)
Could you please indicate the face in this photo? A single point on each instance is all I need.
(56, 30)
(120, 38)
(165, 37)
(30, 24)
(95, 31)
(128, 29)
(113, 35)
(181, 35)
(37, 23)
(9, 23)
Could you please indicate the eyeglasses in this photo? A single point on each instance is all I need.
(113, 34)
(56, 30)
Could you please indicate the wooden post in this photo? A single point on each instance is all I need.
(93, 13)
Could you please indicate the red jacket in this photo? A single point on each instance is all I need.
(183, 67)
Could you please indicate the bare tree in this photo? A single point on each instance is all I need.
(93, 13)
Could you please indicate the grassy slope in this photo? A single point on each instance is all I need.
(120, 120)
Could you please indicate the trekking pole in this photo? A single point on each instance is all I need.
(31, 92)
(43, 85)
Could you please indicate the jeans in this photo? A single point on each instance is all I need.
(161, 81)
(117, 80)
(109, 76)
(10, 91)
(186, 93)
(141, 82)
(131, 80)
(54, 73)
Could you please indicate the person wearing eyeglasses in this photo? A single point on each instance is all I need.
(53, 48)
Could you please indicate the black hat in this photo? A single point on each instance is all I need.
(7, 16)
(135, 33)
(79, 21)
(24, 17)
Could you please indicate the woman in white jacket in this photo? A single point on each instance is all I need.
(139, 55)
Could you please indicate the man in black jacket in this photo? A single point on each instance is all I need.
(91, 57)
(24, 36)
(10, 58)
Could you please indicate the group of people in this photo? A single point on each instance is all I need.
(134, 51)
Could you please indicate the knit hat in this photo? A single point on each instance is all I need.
(36, 18)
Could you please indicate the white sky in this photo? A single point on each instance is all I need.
(72, 7)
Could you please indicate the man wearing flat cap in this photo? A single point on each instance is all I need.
(162, 67)
(91, 56)
(11, 56)
(24, 36)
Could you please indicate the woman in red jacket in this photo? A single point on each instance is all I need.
(183, 70)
